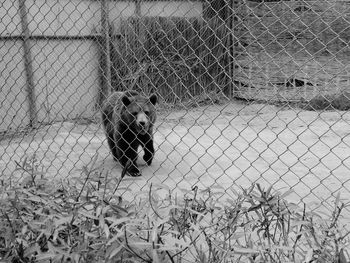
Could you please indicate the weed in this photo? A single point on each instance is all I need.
(84, 220)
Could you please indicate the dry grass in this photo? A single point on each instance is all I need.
(266, 76)
(179, 58)
(186, 60)
(278, 41)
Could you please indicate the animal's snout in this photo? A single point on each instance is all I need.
(142, 120)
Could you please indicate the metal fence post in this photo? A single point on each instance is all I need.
(28, 67)
(106, 58)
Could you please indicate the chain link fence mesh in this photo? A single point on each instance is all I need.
(250, 91)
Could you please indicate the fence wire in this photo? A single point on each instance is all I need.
(250, 91)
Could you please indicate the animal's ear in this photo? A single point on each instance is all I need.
(153, 98)
(126, 101)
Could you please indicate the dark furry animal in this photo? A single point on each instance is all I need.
(128, 119)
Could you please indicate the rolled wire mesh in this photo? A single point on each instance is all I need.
(239, 82)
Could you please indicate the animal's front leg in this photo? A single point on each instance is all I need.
(133, 169)
(129, 157)
(149, 150)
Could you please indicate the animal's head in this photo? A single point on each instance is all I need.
(139, 112)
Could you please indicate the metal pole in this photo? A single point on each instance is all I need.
(28, 66)
(106, 58)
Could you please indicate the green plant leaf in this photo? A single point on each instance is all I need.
(113, 250)
(155, 256)
(63, 220)
(243, 250)
(91, 235)
(309, 256)
(87, 215)
(32, 249)
(106, 230)
(141, 245)
(45, 256)
(117, 221)
(300, 223)
(172, 243)
(284, 248)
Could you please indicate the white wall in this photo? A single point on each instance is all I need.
(62, 17)
(9, 19)
(81, 17)
(172, 8)
(66, 78)
(14, 109)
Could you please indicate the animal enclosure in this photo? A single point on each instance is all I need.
(250, 91)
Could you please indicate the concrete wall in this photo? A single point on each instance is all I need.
(172, 8)
(66, 78)
(13, 97)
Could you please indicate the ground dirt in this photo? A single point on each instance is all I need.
(224, 147)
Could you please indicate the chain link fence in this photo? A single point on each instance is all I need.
(250, 91)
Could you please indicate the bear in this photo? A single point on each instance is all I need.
(128, 119)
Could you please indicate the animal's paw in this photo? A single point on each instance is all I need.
(134, 174)
(148, 159)
(134, 171)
